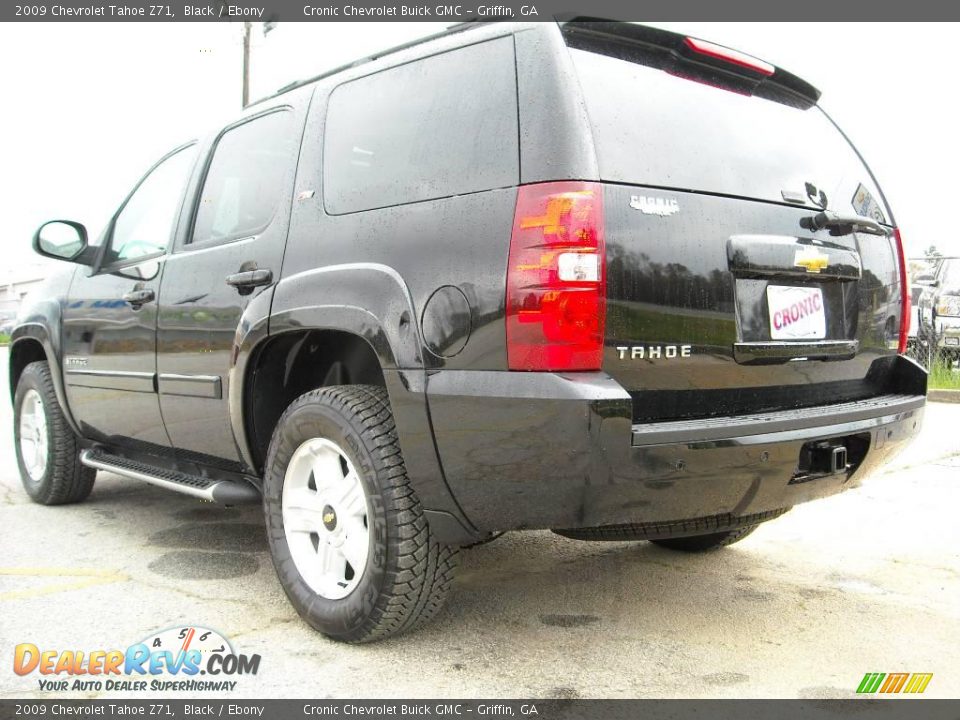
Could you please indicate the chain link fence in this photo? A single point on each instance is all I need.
(942, 360)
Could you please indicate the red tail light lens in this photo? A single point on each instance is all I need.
(728, 55)
(556, 278)
(904, 294)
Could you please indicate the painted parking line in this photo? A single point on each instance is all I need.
(84, 578)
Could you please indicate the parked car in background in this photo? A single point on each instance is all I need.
(938, 308)
(921, 272)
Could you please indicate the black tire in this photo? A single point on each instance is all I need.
(64, 479)
(408, 573)
(721, 529)
(705, 543)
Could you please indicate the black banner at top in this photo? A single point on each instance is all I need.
(454, 11)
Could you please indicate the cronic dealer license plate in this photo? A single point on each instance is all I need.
(796, 313)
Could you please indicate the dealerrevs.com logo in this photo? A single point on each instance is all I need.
(186, 659)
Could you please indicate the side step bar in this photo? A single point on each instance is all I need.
(223, 492)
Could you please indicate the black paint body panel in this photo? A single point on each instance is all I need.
(536, 450)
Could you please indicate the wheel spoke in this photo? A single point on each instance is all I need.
(326, 470)
(303, 511)
(355, 546)
(337, 567)
(352, 500)
(326, 558)
(303, 499)
(303, 520)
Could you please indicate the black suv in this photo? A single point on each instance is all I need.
(588, 276)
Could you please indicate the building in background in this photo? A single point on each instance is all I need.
(15, 284)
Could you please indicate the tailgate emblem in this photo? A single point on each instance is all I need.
(664, 207)
(811, 259)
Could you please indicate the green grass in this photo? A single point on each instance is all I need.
(943, 377)
(4, 339)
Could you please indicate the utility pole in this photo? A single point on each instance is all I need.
(246, 63)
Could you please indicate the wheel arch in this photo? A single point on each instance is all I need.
(32, 342)
(367, 311)
(369, 316)
(286, 365)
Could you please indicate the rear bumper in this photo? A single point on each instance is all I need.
(540, 450)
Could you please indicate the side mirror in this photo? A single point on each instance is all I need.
(62, 240)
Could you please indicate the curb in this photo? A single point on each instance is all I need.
(944, 396)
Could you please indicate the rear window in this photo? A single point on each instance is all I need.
(241, 191)
(445, 125)
(655, 128)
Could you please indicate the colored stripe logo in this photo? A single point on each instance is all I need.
(890, 683)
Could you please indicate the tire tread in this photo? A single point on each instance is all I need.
(68, 481)
(418, 580)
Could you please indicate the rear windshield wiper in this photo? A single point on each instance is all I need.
(839, 224)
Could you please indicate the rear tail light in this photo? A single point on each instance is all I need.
(556, 278)
(904, 294)
(727, 55)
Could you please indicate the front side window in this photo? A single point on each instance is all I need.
(145, 223)
(244, 183)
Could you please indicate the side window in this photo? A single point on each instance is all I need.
(242, 189)
(146, 221)
(445, 125)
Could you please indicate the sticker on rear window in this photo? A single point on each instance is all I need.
(865, 204)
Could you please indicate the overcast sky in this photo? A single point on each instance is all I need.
(88, 107)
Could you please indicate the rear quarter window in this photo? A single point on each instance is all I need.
(442, 126)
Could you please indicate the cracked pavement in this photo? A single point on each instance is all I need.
(863, 582)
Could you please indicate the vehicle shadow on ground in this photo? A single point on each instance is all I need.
(529, 577)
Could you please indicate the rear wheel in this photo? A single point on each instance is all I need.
(48, 452)
(348, 536)
(705, 543)
(695, 535)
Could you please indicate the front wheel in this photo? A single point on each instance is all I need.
(47, 449)
(349, 539)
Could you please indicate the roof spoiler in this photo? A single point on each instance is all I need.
(690, 58)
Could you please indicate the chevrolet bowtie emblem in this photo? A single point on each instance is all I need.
(811, 259)
(329, 517)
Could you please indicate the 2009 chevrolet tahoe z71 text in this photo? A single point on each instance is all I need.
(588, 276)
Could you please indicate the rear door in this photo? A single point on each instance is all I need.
(723, 295)
(227, 256)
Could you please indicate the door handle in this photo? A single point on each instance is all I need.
(247, 280)
(136, 298)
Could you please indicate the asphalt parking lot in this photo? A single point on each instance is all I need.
(865, 582)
